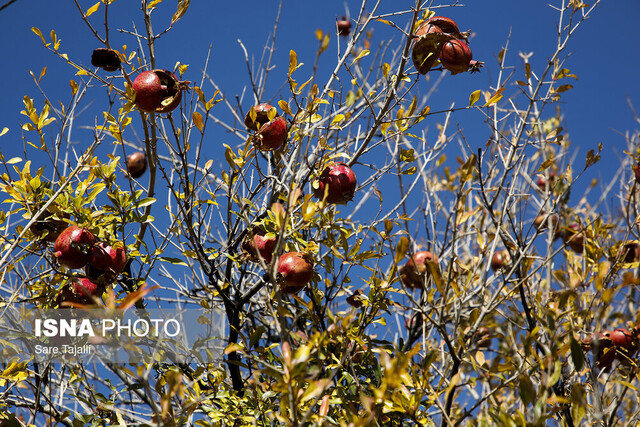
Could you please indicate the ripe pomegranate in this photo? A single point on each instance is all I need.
(412, 274)
(630, 252)
(272, 135)
(542, 180)
(344, 26)
(500, 260)
(136, 164)
(294, 272)
(456, 56)
(261, 244)
(105, 257)
(107, 59)
(72, 245)
(621, 337)
(636, 171)
(337, 183)
(80, 291)
(158, 91)
(573, 238)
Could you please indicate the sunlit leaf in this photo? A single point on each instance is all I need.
(197, 120)
(92, 9)
(474, 97)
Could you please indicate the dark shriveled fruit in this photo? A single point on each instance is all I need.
(48, 227)
(337, 182)
(72, 246)
(447, 25)
(414, 272)
(426, 48)
(107, 59)
(573, 237)
(344, 26)
(262, 116)
(630, 252)
(136, 164)
(294, 272)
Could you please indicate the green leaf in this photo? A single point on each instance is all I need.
(144, 202)
(577, 355)
(174, 261)
(527, 391)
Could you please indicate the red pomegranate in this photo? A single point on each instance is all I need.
(272, 135)
(456, 56)
(261, 244)
(157, 91)
(337, 182)
(80, 291)
(294, 272)
(72, 246)
(105, 257)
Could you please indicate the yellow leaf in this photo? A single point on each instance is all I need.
(232, 348)
(337, 119)
(495, 98)
(325, 43)
(293, 61)
(362, 55)
(197, 120)
(473, 98)
(153, 4)
(37, 31)
(385, 70)
(182, 9)
(92, 9)
(284, 105)
(5, 130)
(319, 34)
